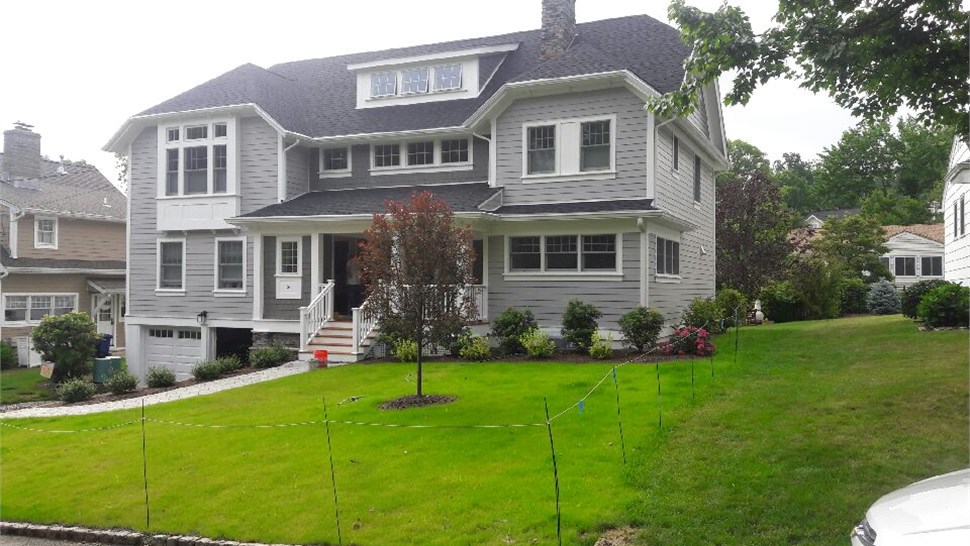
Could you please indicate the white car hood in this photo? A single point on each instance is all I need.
(934, 511)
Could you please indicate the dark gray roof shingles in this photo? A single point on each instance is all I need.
(82, 190)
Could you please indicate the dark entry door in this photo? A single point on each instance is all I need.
(341, 253)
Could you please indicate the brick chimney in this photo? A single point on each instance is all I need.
(21, 152)
(558, 27)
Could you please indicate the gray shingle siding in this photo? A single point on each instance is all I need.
(283, 309)
(300, 162)
(698, 118)
(258, 150)
(630, 146)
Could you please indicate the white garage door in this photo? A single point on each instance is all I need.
(176, 348)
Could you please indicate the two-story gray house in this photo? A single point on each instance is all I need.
(249, 193)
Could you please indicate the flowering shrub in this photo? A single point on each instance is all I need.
(689, 340)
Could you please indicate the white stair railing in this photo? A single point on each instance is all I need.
(315, 315)
(479, 294)
(365, 320)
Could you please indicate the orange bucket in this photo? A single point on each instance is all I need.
(321, 355)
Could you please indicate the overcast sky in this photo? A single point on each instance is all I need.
(76, 70)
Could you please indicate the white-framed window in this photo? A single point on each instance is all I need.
(421, 156)
(884, 260)
(45, 232)
(171, 265)
(963, 222)
(676, 162)
(160, 332)
(580, 148)
(230, 272)
(31, 308)
(447, 77)
(383, 84)
(698, 167)
(335, 161)
(414, 80)
(288, 257)
(569, 253)
(189, 334)
(931, 266)
(905, 266)
(198, 159)
(668, 257)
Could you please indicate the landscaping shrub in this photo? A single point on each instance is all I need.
(912, 294)
(579, 323)
(733, 304)
(852, 296)
(228, 363)
(641, 327)
(268, 357)
(599, 348)
(75, 390)
(780, 302)
(405, 350)
(8, 358)
(67, 340)
(459, 341)
(537, 344)
(689, 340)
(159, 377)
(945, 306)
(509, 328)
(121, 382)
(882, 298)
(207, 371)
(817, 284)
(475, 348)
(704, 313)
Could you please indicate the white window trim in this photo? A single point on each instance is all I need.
(397, 84)
(336, 173)
(436, 167)
(215, 273)
(37, 243)
(432, 83)
(28, 321)
(920, 259)
(559, 175)
(279, 256)
(229, 141)
(667, 278)
(916, 262)
(158, 266)
(542, 274)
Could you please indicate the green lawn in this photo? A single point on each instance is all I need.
(22, 385)
(789, 446)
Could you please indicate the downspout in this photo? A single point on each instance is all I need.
(644, 262)
(281, 172)
(15, 215)
(491, 153)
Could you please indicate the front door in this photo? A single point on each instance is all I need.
(103, 314)
(346, 275)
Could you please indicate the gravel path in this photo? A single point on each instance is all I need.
(199, 389)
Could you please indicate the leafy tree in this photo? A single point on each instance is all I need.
(752, 234)
(68, 341)
(871, 57)
(747, 160)
(888, 207)
(416, 263)
(924, 154)
(796, 177)
(863, 160)
(854, 244)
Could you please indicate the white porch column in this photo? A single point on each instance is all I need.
(258, 276)
(315, 276)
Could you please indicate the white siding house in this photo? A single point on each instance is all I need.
(956, 263)
(915, 253)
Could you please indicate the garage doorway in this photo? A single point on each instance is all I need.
(234, 341)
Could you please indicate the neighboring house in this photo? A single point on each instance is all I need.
(815, 220)
(915, 253)
(955, 196)
(250, 192)
(62, 243)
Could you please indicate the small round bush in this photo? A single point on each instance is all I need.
(852, 296)
(268, 357)
(882, 298)
(67, 340)
(599, 348)
(733, 304)
(947, 305)
(228, 363)
(8, 358)
(579, 323)
(206, 371)
(780, 302)
(509, 327)
(406, 350)
(475, 348)
(704, 313)
(641, 327)
(75, 390)
(121, 382)
(160, 377)
(912, 294)
(537, 344)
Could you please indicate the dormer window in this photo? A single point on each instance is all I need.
(447, 78)
(414, 80)
(383, 85)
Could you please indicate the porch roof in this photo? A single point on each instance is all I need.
(354, 202)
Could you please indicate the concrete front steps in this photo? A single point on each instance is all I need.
(336, 337)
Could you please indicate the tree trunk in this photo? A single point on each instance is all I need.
(420, 343)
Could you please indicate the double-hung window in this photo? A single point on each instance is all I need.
(595, 146)
(698, 166)
(197, 160)
(45, 232)
(931, 266)
(427, 155)
(171, 265)
(421, 153)
(334, 160)
(668, 257)
(563, 253)
(905, 266)
(387, 155)
(542, 149)
(454, 151)
(570, 147)
(230, 264)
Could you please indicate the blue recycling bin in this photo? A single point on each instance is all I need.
(103, 348)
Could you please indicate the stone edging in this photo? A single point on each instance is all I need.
(110, 536)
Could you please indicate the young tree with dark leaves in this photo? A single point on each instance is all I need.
(752, 234)
(416, 264)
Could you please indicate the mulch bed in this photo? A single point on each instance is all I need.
(415, 401)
